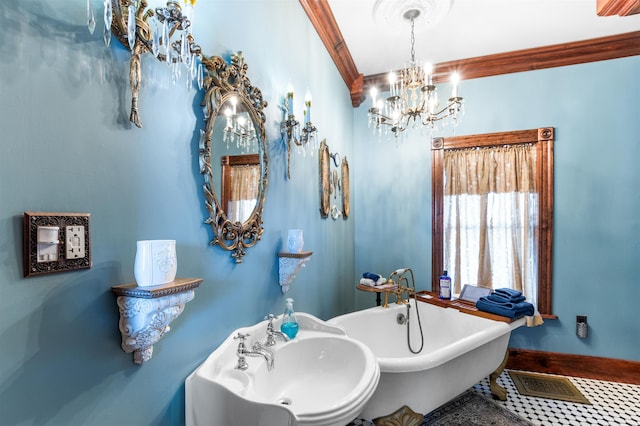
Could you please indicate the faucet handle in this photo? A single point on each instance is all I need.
(270, 317)
(241, 336)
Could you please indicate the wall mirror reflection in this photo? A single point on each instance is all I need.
(240, 185)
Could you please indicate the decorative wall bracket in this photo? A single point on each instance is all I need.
(145, 313)
(289, 264)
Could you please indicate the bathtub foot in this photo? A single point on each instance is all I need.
(497, 391)
(405, 416)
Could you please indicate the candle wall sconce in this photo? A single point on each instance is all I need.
(290, 129)
(165, 32)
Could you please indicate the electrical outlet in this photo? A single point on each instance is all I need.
(74, 242)
(55, 242)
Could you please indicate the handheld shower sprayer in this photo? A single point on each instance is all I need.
(400, 275)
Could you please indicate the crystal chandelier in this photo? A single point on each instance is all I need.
(413, 98)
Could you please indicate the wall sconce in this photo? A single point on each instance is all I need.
(290, 128)
(164, 32)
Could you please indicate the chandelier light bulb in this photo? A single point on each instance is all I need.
(234, 103)
(374, 94)
(428, 69)
(455, 79)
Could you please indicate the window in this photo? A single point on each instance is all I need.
(517, 223)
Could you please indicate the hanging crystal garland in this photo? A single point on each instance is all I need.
(91, 17)
(108, 20)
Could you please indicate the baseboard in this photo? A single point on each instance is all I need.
(590, 367)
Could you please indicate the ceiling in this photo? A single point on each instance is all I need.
(470, 29)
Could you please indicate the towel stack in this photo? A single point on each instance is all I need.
(505, 302)
(372, 280)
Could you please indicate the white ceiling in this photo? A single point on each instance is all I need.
(471, 28)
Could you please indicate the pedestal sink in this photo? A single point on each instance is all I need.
(320, 378)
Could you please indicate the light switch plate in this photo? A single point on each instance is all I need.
(71, 249)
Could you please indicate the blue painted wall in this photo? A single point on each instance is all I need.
(67, 146)
(594, 109)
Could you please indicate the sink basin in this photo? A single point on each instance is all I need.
(320, 378)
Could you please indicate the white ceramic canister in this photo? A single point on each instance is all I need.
(155, 262)
(295, 241)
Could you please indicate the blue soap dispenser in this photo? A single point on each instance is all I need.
(289, 322)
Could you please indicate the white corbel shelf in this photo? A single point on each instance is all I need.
(145, 313)
(289, 264)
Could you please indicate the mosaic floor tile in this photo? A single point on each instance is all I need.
(612, 404)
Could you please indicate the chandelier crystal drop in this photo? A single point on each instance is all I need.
(413, 98)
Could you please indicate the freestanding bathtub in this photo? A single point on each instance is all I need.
(459, 351)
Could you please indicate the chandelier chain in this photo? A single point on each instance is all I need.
(413, 41)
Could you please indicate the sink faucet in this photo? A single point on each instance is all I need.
(257, 350)
(272, 334)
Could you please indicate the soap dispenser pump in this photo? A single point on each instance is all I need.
(289, 322)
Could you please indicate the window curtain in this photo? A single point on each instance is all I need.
(244, 192)
(491, 217)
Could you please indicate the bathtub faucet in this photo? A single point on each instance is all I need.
(258, 350)
(403, 285)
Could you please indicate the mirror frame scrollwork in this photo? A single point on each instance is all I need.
(325, 179)
(346, 197)
(223, 81)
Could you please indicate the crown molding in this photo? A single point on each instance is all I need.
(617, 7)
(597, 49)
(324, 22)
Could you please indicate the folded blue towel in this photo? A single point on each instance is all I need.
(371, 276)
(509, 310)
(508, 292)
(496, 297)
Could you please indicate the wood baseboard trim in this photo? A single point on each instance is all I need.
(589, 367)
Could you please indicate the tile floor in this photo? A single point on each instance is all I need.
(613, 404)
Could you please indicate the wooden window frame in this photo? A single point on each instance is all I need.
(543, 138)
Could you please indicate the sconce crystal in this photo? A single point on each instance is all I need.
(164, 32)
